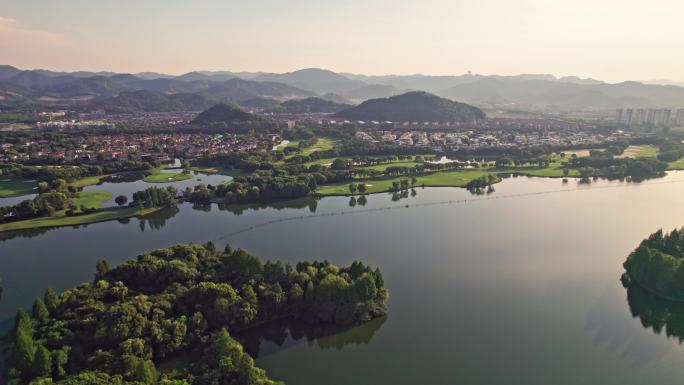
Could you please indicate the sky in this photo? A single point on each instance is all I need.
(611, 40)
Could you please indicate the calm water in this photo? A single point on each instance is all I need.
(516, 288)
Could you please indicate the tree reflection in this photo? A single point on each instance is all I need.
(289, 332)
(157, 220)
(656, 313)
(302, 203)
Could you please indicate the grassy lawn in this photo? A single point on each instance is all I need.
(676, 165)
(322, 144)
(94, 199)
(649, 151)
(87, 181)
(219, 170)
(160, 177)
(10, 187)
(383, 167)
(441, 179)
(99, 216)
(459, 178)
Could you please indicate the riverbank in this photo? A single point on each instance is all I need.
(103, 215)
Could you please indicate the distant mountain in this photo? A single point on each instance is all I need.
(578, 80)
(151, 101)
(40, 87)
(527, 91)
(435, 84)
(413, 106)
(417, 82)
(316, 80)
(224, 113)
(153, 75)
(564, 95)
(237, 90)
(11, 93)
(262, 103)
(192, 76)
(8, 71)
(372, 91)
(335, 98)
(312, 105)
(665, 82)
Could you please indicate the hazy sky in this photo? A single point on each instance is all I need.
(613, 40)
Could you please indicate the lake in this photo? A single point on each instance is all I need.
(517, 287)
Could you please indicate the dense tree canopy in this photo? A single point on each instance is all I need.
(168, 317)
(658, 263)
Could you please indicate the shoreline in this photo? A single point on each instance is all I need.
(77, 220)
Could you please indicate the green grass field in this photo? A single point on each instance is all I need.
(440, 179)
(676, 165)
(10, 187)
(640, 151)
(92, 199)
(219, 170)
(87, 181)
(98, 216)
(160, 177)
(459, 178)
(322, 144)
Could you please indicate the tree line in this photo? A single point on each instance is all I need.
(182, 301)
(70, 173)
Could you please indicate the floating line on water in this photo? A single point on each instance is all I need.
(427, 204)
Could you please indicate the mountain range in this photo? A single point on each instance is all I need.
(116, 92)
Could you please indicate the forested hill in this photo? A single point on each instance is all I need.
(412, 107)
(168, 317)
(224, 113)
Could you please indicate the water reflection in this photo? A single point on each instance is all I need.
(655, 313)
(275, 336)
(303, 203)
(157, 220)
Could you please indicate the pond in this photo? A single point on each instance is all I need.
(520, 286)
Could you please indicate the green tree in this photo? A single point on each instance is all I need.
(145, 372)
(121, 200)
(102, 267)
(23, 348)
(40, 311)
(352, 188)
(51, 300)
(42, 363)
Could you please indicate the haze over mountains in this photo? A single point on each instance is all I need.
(197, 90)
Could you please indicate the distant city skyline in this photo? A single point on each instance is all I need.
(607, 40)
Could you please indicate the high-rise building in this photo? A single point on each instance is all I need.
(618, 116)
(640, 117)
(628, 115)
(680, 116)
(667, 114)
(657, 117)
